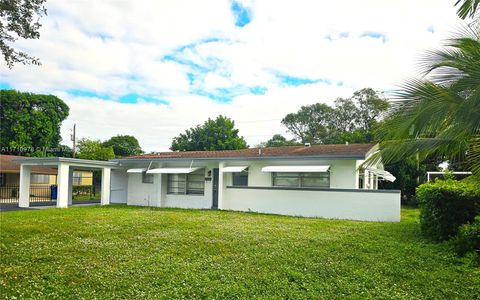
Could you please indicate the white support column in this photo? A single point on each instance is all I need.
(365, 179)
(63, 185)
(370, 177)
(220, 185)
(105, 194)
(70, 186)
(159, 190)
(24, 197)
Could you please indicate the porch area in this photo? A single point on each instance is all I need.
(62, 194)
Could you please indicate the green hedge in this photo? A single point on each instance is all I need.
(468, 239)
(445, 205)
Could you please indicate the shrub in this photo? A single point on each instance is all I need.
(468, 239)
(445, 205)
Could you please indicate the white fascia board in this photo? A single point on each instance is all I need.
(172, 170)
(320, 169)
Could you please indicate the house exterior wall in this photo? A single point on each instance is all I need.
(364, 205)
(343, 173)
(343, 201)
(155, 194)
(118, 186)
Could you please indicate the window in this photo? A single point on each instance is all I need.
(186, 184)
(301, 179)
(147, 178)
(40, 179)
(77, 178)
(3, 179)
(240, 179)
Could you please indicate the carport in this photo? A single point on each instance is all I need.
(65, 168)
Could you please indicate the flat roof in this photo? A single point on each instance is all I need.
(334, 151)
(53, 161)
(10, 164)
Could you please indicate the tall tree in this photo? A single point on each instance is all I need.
(19, 19)
(124, 145)
(440, 113)
(312, 124)
(350, 120)
(278, 140)
(218, 134)
(94, 150)
(30, 122)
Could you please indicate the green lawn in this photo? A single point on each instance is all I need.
(129, 252)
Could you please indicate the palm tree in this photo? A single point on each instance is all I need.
(440, 113)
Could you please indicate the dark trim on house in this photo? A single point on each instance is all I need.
(311, 189)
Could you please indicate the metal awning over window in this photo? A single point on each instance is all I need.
(383, 174)
(234, 169)
(296, 169)
(172, 170)
(138, 170)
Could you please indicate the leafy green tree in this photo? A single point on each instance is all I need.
(312, 124)
(218, 134)
(124, 145)
(350, 120)
(30, 122)
(19, 19)
(440, 113)
(94, 150)
(278, 140)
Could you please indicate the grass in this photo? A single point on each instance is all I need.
(130, 252)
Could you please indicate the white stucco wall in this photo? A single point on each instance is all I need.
(155, 194)
(118, 186)
(354, 205)
(343, 173)
(139, 193)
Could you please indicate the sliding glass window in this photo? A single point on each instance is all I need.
(287, 179)
(186, 184)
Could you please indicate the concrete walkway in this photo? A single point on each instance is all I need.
(4, 207)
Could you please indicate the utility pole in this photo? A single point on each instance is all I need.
(73, 139)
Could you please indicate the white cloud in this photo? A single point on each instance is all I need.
(115, 48)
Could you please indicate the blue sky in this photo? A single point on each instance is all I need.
(156, 69)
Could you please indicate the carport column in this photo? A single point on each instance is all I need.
(70, 186)
(220, 185)
(105, 196)
(365, 179)
(371, 176)
(63, 185)
(24, 197)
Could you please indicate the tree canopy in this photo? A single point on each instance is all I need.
(94, 150)
(278, 140)
(19, 19)
(30, 122)
(218, 134)
(350, 120)
(124, 145)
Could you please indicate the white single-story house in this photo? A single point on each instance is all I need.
(311, 181)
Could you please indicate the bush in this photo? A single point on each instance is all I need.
(445, 205)
(468, 239)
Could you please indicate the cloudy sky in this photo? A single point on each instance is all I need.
(155, 68)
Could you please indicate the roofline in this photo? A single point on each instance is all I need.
(45, 161)
(337, 157)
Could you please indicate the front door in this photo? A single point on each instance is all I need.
(215, 189)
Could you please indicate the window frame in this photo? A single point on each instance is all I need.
(45, 177)
(242, 174)
(183, 181)
(300, 177)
